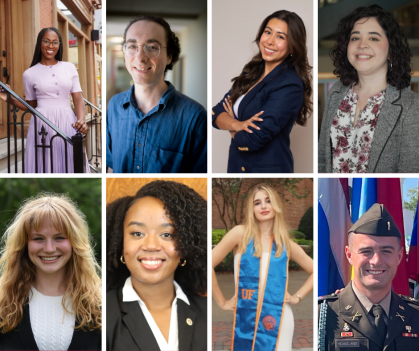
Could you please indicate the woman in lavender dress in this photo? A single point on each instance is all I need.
(49, 83)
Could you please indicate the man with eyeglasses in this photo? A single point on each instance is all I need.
(152, 128)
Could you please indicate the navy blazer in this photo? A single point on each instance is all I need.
(280, 95)
(127, 328)
(22, 337)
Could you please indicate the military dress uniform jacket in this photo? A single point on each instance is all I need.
(342, 309)
(280, 95)
(127, 328)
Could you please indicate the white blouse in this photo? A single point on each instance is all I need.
(129, 294)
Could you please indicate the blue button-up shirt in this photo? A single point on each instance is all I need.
(171, 138)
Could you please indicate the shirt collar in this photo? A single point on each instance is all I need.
(365, 301)
(130, 96)
(129, 294)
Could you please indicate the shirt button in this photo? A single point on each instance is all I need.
(139, 144)
(50, 66)
(53, 75)
(138, 167)
(243, 169)
(56, 83)
(58, 93)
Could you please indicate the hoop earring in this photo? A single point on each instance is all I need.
(122, 259)
(183, 264)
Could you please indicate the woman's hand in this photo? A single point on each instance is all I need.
(80, 126)
(292, 299)
(229, 304)
(3, 95)
(227, 106)
(239, 126)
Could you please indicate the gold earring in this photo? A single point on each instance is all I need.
(183, 264)
(122, 259)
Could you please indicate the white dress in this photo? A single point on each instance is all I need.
(287, 325)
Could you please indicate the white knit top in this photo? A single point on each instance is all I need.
(52, 328)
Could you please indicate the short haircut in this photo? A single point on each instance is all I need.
(172, 41)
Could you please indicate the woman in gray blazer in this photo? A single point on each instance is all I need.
(370, 123)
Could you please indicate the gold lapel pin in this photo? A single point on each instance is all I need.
(399, 315)
(400, 306)
(189, 321)
(346, 327)
(348, 307)
(408, 328)
(388, 224)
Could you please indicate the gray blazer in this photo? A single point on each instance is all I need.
(395, 145)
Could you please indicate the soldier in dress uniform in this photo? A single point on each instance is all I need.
(367, 314)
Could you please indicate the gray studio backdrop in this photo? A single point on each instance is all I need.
(234, 27)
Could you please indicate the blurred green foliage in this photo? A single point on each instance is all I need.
(217, 235)
(85, 192)
(295, 234)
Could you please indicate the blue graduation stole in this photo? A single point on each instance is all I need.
(258, 312)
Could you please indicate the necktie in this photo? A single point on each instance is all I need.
(380, 325)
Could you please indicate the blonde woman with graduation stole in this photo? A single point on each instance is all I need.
(263, 317)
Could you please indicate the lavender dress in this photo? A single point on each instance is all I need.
(51, 86)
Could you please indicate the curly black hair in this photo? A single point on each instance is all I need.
(172, 41)
(188, 212)
(400, 57)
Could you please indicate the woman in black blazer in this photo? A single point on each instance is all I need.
(268, 98)
(157, 269)
(50, 291)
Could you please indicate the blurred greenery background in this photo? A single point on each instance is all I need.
(85, 192)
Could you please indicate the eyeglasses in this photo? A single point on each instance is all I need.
(150, 50)
(47, 42)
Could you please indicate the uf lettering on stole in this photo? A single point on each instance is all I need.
(247, 294)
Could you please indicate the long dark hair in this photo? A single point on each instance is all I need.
(188, 211)
(400, 57)
(254, 70)
(37, 55)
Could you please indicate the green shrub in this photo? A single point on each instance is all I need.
(295, 234)
(217, 235)
(293, 266)
(306, 224)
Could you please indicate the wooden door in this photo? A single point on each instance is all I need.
(3, 66)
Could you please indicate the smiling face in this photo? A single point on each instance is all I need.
(49, 250)
(375, 260)
(368, 47)
(262, 207)
(149, 243)
(50, 50)
(273, 43)
(144, 70)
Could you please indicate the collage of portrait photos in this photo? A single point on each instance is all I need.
(146, 158)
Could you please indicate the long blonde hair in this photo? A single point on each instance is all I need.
(280, 229)
(17, 272)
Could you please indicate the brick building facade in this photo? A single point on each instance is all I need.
(294, 208)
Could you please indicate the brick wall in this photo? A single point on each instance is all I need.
(294, 208)
(45, 9)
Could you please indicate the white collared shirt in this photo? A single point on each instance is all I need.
(129, 294)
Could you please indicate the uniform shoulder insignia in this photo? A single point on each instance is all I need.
(327, 297)
(410, 299)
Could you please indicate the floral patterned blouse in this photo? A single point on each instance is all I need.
(351, 145)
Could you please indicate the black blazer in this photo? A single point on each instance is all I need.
(22, 337)
(280, 96)
(127, 329)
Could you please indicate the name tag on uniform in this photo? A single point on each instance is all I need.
(347, 343)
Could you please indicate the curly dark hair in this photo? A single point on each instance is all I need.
(400, 56)
(37, 55)
(254, 69)
(172, 41)
(188, 212)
